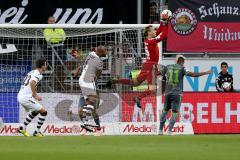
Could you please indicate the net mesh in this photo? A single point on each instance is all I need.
(20, 47)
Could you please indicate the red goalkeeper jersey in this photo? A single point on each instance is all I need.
(151, 47)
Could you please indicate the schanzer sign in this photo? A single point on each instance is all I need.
(204, 26)
(73, 12)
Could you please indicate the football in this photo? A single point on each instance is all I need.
(166, 14)
(226, 85)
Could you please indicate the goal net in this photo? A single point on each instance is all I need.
(21, 45)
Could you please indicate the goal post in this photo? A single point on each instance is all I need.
(22, 44)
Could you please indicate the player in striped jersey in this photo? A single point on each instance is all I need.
(29, 99)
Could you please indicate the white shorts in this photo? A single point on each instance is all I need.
(29, 103)
(87, 88)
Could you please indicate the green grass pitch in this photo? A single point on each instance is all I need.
(197, 147)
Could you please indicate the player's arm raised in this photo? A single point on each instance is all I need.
(159, 38)
(34, 92)
(163, 27)
(165, 16)
(161, 34)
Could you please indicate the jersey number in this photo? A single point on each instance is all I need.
(26, 80)
(173, 77)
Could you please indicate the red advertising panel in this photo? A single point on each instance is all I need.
(204, 26)
(213, 112)
(131, 113)
(207, 112)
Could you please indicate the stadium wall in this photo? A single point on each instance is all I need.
(202, 110)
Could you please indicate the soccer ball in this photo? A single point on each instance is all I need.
(226, 85)
(166, 14)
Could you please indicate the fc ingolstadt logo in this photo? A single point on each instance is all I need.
(184, 21)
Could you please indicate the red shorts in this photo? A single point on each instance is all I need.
(148, 72)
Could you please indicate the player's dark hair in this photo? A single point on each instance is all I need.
(147, 29)
(40, 63)
(224, 63)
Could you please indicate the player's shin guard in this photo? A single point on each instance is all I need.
(82, 116)
(28, 119)
(85, 113)
(163, 119)
(172, 120)
(96, 120)
(41, 120)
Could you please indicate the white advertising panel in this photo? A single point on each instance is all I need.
(59, 105)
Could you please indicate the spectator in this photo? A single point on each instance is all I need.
(224, 81)
(154, 12)
(56, 53)
(55, 38)
(54, 35)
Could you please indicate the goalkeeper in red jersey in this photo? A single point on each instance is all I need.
(149, 68)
